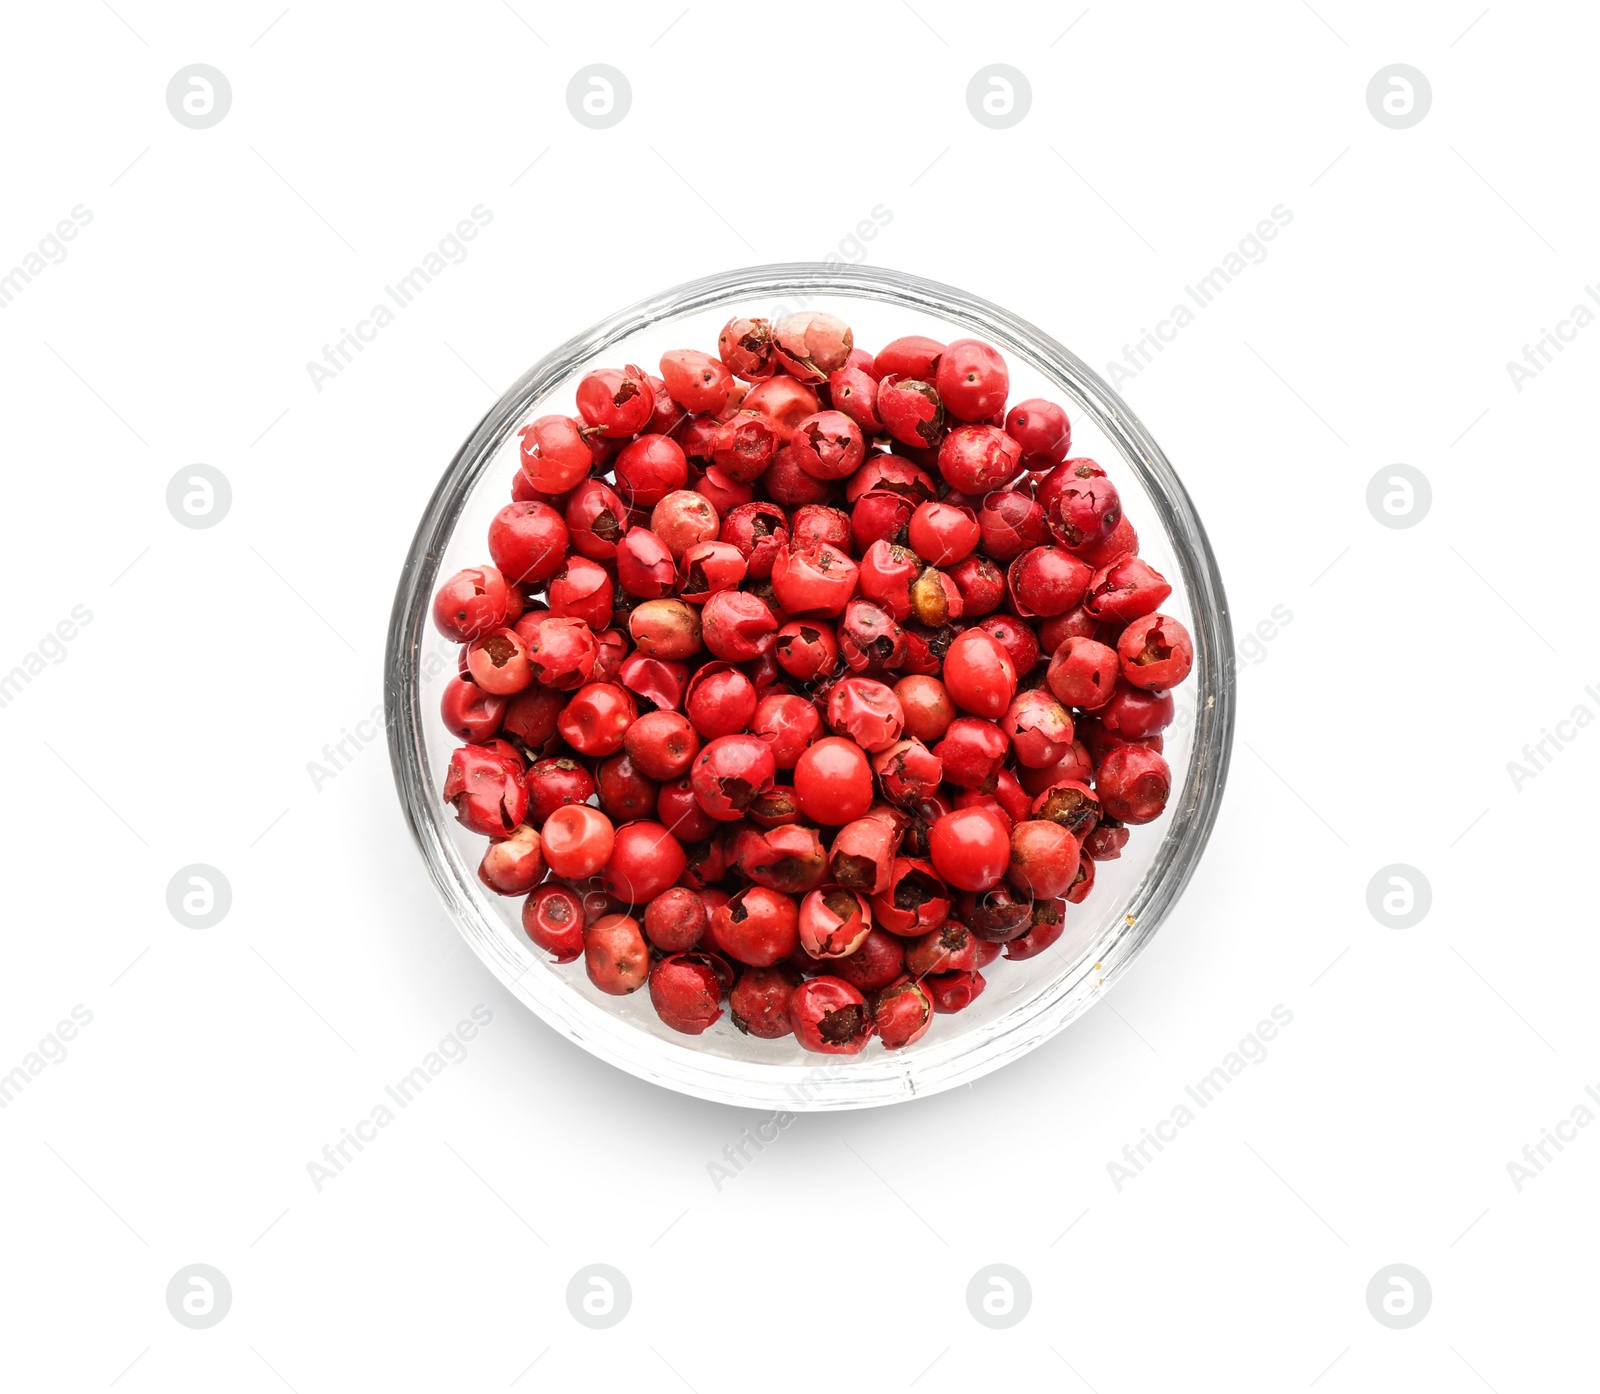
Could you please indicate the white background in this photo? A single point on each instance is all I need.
(1375, 727)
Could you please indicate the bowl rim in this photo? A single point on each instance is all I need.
(830, 1082)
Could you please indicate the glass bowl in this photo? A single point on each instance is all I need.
(1026, 1002)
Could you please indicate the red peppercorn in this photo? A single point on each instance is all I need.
(828, 445)
(996, 916)
(1044, 859)
(972, 380)
(902, 1013)
(554, 782)
(527, 541)
(695, 380)
(1156, 652)
(977, 459)
(650, 468)
(927, 707)
(833, 782)
(833, 923)
(811, 344)
(708, 568)
(758, 926)
(1106, 842)
(1083, 882)
(645, 860)
(854, 391)
(954, 992)
(658, 680)
(943, 534)
(471, 603)
(1009, 523)
(615, 955)
(878, 961)
(597, 719)
(576, 841)
(869, 638)
(625, 793)
(806, 649)
(582, 590)
(738, 626)
(1125, 590)
(981, 585)
(971, 752)
(729, 772)
(759, 1002)
(914, 356)
(513, 865)
(862, 855)
(970, 848)
(979, 674)
(645, 567)
(1134, 713)
(680, 813)
(788, 724)
(487, 790)
(1085, 513)
(1017, 638)
(595, 520)
(553, 918)
(908, 772)
(914, 902)
(910, 410)
(616, 403)
(948, 949)
(1043, 431)
(1134, 784)
(757, 530)
(555, 454)
(1071, 804)
(817, 580)
(830, 1017)
(1047, 581)
(1048, 924)
(745, 345)
(675, 920)
(666, 629)
(662, 744)
(530, 717)
(1040, 729)
(785, 400)
(685, 990)
(787, 858)
(683, 518)
(470, 712)
(1083, 673)
(719, 701)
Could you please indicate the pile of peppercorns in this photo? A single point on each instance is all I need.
(806, 679)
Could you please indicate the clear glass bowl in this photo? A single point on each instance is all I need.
(1026, 1002)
